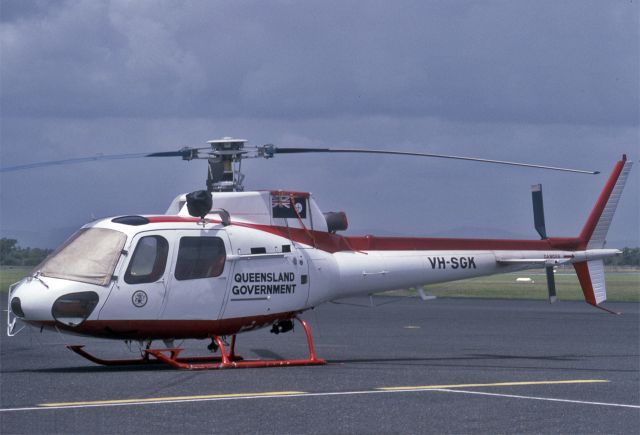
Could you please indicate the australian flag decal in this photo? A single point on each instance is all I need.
(285, 206)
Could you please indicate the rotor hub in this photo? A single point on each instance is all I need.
(225, 164)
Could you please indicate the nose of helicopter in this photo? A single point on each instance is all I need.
(27, 301)
(36, 302)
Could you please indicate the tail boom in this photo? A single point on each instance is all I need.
(366, 264)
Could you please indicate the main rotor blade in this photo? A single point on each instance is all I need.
(72, 161)
(279, 150)
(185, 153)
(167, 154)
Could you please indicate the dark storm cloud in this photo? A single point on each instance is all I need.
(534, 62)
(536, 81)
(16, 10)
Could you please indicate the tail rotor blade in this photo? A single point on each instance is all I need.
(538, 210)
(551, 284)
(538, 219)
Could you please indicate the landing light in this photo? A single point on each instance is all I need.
(74, 308)
(16, 307)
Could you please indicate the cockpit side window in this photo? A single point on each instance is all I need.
(148, 261)
(200, 257)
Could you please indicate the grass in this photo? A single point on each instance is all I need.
(622, 286)
(11, 274)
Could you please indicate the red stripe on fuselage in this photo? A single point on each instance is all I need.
(335, 243)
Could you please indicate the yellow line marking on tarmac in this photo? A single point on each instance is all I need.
(496, 384)
(456, 388)
(176, 398)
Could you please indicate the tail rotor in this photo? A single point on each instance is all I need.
(539, 222)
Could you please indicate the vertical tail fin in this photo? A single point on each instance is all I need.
(594, 232)
(593, 236)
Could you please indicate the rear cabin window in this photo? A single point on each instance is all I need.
(200, 257)
(149, 260)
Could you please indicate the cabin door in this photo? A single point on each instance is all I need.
(140, 289)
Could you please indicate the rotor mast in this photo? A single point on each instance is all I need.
(225, 164)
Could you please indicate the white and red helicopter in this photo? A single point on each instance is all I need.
(261, 258)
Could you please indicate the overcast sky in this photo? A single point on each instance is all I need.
(551, 82)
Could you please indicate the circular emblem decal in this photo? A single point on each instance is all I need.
(139, 299)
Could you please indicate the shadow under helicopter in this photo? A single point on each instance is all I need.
(473, 361)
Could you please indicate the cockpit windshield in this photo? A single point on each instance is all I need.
(90, 256)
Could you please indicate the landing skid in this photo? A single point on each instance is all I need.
(170, 356)
(144, 360)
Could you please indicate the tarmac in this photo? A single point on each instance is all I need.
(403, 366)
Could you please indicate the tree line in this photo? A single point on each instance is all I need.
(11, 254)
(629, 257)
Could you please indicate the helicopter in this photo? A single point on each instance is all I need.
(261, 258)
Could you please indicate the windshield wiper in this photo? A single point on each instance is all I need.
(37, 276)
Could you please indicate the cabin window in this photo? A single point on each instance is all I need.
(200, 257)
(148, 261)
